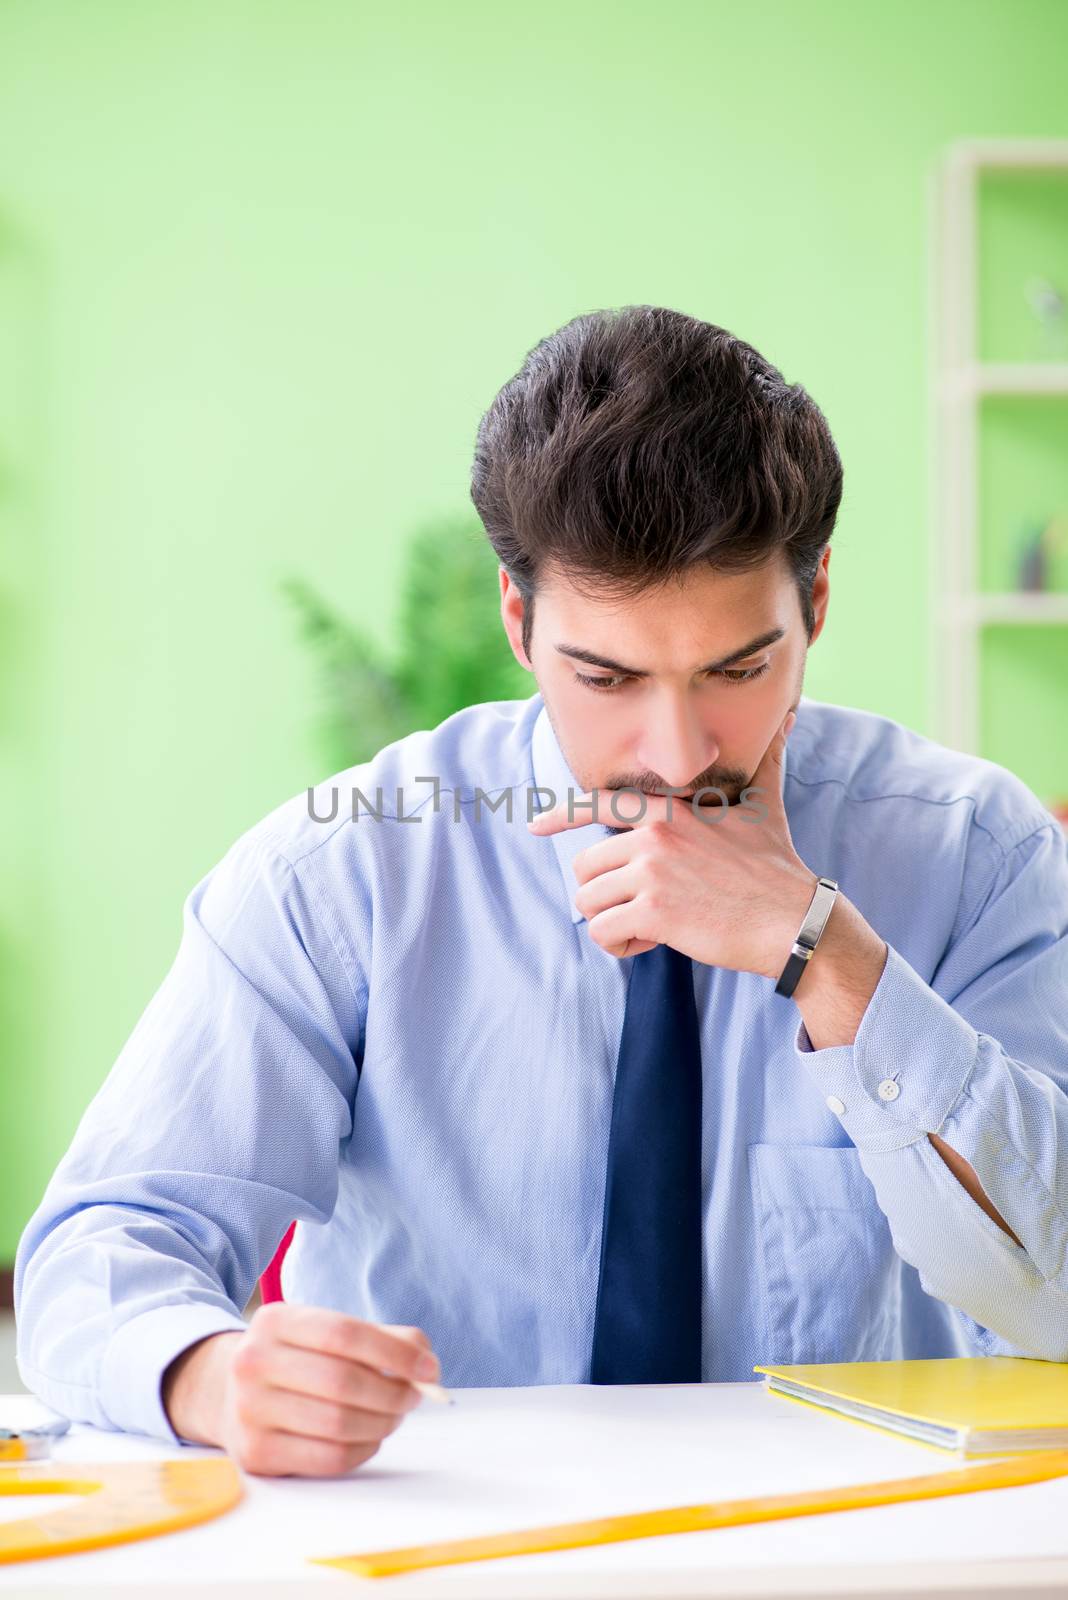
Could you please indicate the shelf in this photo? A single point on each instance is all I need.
(1006, 377)
(998, 388)
(1013, 608)
(1019, 155)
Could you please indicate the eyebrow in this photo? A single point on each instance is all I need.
(759, 643)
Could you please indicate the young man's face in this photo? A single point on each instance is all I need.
(673, 711)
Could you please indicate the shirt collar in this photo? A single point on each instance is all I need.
(550, 770)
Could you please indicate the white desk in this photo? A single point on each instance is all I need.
(507, 1458)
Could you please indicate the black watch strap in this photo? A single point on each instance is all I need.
(808, 935)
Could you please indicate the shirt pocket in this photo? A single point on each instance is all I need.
(829, 1277)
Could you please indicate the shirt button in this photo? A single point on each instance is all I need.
(889, 1090)
(835, 1104)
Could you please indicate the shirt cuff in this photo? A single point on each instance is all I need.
(906, 1068)
(138, 1355)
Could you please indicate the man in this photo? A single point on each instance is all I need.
(626, 1096)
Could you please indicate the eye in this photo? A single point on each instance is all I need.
(600, 683)
(605, 685)
(744, 674)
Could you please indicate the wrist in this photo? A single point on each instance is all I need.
(193, 1387)
(827, 956)
(837, 985)
(806, 910)
(853, 953)
(792, 900)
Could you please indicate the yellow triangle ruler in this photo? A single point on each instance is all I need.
(124, 1501)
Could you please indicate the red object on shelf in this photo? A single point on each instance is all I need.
(271, 1282)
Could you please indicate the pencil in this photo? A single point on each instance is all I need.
(433, 1391)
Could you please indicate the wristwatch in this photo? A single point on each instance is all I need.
(808, 935)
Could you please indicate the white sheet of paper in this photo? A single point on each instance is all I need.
(501, 1459)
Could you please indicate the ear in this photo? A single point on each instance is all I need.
(821, 592)
(512, 617)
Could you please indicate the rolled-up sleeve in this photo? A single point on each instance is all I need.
(979, 1056)
(219, 1124)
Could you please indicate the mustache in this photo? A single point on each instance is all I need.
(730, 780)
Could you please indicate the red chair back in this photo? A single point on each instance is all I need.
(271, 1282)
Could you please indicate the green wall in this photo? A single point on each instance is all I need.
(261, 268)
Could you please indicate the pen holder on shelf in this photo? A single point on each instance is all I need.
(1036, 557)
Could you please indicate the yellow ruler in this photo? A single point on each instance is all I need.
(1000, 1474)
(124, 1501)
(130, 1500)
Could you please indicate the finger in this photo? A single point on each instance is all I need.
(767, 779)
(279, 1410)
(286, 1455)
(620, 848)
(618, 932)
(427, 1363)
(612, 852)
(407, 1331)
(557, 818)
(629, 809)
(415, 1335)
(340, 1381)
(337, 1334)
(631, 947)
(606, 889)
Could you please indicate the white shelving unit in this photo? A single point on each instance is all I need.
(959, 381)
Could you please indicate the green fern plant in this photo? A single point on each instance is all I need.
(453, 651)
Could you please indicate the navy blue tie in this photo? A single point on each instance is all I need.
(647, 1326)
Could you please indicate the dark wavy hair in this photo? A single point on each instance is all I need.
(637, 442)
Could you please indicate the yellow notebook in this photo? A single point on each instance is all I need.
(979, 1405)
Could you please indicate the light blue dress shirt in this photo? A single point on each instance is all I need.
(398, 1031)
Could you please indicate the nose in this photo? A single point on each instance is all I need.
(675, 746)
